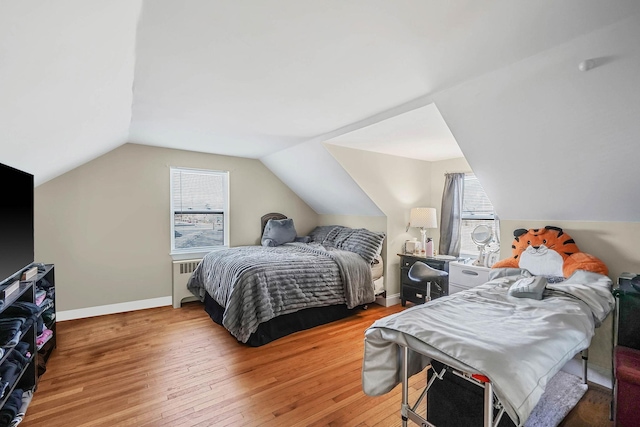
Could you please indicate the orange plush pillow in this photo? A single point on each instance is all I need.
(549, 251)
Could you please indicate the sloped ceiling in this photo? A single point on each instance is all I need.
(420, 134)
(551, 142)
(250, 78)
(66, 77)
(274, 79)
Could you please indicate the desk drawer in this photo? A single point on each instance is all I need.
(414, 294)
(407, 262)
(418, 294)
(468, 275)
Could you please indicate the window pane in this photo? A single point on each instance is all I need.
(199, 203)
(198, 230)
(476, 210)
(475, 203)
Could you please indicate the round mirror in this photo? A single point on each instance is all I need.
(481, 235)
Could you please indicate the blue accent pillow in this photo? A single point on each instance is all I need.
(278, 232)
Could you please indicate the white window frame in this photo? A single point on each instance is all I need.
(470, 217)
(198, 252)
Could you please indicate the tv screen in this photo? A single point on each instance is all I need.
(16, 221)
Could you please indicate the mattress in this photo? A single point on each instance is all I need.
(377, 268)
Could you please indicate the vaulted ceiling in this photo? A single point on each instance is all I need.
(274, 79)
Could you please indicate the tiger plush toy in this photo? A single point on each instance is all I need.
(549, 251)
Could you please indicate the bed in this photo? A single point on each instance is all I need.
(262, 293)
(511, 347)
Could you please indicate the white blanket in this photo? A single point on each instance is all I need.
(519, 343)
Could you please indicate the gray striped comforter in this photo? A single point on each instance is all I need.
(257, 283)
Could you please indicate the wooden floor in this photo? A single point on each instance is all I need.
(175, 367)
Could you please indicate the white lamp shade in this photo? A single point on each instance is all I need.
(423, 218)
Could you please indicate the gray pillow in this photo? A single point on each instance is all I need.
(360, 241)
(278, 232)
(320, 233)
(528, 287)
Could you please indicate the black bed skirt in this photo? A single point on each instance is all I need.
(286, 324)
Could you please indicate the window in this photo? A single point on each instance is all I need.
(199, 210)
(476, 210)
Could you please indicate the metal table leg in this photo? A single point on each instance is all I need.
(488, 404)
(404, 355)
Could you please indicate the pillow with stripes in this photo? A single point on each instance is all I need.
(361, 241)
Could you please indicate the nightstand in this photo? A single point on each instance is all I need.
(466, 276)
(417, 292)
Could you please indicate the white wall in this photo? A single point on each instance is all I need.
(373, 223)
(313, 174)
(548, 141)
(66, 78)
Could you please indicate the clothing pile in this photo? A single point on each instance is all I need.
(45, 293)
(15, 408)
(15, 321)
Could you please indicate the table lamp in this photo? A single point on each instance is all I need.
(423, 218)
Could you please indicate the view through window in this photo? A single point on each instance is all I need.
(476, 210)
(199, 204)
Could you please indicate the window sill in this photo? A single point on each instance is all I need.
(469, 255)
(181, 256)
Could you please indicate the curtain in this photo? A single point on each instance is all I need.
(450, 214)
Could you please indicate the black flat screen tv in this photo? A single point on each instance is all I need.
(16, 221)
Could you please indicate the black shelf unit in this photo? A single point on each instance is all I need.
(47, 274)
(27, 379)
(29, 375)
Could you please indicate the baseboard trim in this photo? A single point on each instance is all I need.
(595, 374)
(102, 310)
(388, 301)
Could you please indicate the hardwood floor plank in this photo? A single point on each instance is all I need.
(174, 367)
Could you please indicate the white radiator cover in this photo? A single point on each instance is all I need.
(181, 272)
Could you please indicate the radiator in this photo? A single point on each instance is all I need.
(181, 272)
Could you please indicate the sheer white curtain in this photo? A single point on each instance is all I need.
(450, 214)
